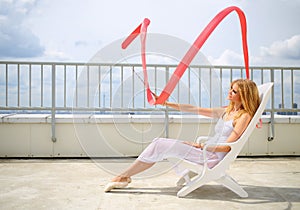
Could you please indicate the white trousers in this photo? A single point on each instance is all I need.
(162, 148)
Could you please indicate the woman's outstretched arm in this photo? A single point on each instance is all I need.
(208, 112)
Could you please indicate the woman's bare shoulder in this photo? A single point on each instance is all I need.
(244, 118)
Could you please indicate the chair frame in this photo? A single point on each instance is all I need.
(197, 175)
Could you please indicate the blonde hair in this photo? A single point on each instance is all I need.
(249, 97)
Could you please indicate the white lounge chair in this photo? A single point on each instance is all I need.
(196, 175)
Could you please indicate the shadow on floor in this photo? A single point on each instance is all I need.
(257, 194)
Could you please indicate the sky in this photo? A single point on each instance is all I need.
(75, 30)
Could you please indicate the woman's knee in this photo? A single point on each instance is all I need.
(159, 139)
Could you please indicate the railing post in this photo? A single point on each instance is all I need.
(167, 109)
(53, 109)
(167, 122)
(272, 129)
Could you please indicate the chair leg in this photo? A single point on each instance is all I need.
(231, 184)
(186, 178)
(191, 186)
(181, 181)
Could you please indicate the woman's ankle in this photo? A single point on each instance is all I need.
(121, 179)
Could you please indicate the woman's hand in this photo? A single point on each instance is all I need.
(156, 97)
(194, 144)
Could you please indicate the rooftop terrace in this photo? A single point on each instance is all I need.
(272, 183)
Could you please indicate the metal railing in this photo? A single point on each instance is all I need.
(101, 88)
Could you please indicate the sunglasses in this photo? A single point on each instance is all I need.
(234, 91)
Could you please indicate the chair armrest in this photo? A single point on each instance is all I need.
(201, 139)
(214, 144)
(219, 144)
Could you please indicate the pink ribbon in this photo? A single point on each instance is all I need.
(191, 53)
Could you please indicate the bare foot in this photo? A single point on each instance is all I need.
(117, 182)
(121, 179)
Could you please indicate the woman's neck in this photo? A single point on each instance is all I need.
(237, 107)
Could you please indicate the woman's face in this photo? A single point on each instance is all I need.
(233, 94)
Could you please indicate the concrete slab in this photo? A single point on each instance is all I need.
(272, 183)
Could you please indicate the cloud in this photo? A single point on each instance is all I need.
(17, 40)
(286, 52)
(56, 55)
(81, 43)
(228, 57)
(287, 49)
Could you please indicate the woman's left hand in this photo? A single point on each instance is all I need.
(194, 144)
(156, 97)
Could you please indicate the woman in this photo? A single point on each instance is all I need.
(233, 120)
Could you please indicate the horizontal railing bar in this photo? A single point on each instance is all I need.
(116, 109)
(149, 65)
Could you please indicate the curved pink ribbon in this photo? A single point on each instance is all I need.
(191, 53)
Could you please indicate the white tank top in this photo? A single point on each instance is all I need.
(223, 129)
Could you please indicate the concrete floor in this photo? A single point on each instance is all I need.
(272, 183)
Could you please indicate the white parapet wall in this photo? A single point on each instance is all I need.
(30, 135)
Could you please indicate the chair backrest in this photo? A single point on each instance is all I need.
(237, 146)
